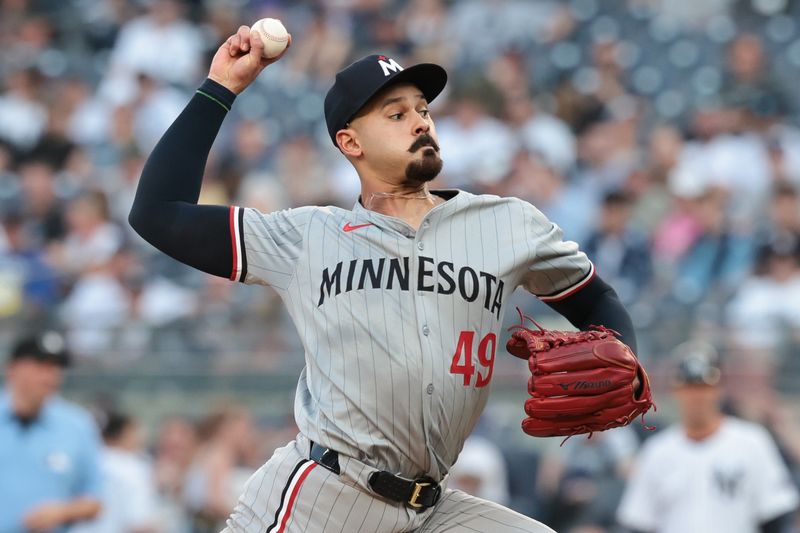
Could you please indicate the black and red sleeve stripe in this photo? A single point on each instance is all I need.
(239, 265)
(572, 289)
(592, 302)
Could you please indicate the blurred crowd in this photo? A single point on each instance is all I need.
(187, 478)
(102, 471)
(712, 471)
(661, 135)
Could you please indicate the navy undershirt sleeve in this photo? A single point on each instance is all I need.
(779, 524)
(165, 211)
(597, 304)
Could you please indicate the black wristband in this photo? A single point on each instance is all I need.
(218, 93)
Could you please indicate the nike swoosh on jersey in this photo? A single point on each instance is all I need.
(348, 228)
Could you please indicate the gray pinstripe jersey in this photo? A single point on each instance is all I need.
(400, 327)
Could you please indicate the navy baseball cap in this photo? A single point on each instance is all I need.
(45, 347)
(360, 81)
(698, 364)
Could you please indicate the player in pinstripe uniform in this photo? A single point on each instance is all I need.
(398, 301)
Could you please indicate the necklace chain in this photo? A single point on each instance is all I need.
(419, 195)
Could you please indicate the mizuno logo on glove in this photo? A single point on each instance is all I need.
(578, 385)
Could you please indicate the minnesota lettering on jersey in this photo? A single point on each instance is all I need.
(440, 278)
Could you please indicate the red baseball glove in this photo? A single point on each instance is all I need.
(581, 382)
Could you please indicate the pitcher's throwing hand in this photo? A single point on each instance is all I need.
(240, 59)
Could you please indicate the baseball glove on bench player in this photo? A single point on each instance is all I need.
(581, 382)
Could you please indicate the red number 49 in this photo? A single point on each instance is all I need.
(486, 351)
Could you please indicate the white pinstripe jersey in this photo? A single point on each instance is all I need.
(400, 327)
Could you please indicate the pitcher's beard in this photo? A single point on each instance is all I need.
(424, 170)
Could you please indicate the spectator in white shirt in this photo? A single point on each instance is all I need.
(542, 133)
(754, 307)
(479, 147)
(92, 238)
(482, 470)
(23, 117)
(140, 49)
(129, 489)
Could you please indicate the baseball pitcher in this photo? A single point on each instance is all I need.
(398, 302)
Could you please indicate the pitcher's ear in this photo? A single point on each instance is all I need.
(348, 142)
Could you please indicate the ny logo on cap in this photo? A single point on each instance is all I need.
(390, 65)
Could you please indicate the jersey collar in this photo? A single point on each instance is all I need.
(449, 196)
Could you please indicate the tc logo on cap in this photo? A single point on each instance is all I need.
(390, 65)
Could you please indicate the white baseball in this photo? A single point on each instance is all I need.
(273, 34)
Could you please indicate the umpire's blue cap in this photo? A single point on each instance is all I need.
(358, 82)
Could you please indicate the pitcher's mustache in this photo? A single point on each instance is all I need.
(423, 140)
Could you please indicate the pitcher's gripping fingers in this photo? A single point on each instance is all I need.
(239, 42)
(239, 60)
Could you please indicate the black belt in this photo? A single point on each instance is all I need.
(325, 457)
(419, 494)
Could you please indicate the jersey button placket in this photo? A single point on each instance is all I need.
(425, 345)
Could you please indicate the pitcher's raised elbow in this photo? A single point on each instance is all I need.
(141, 221)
